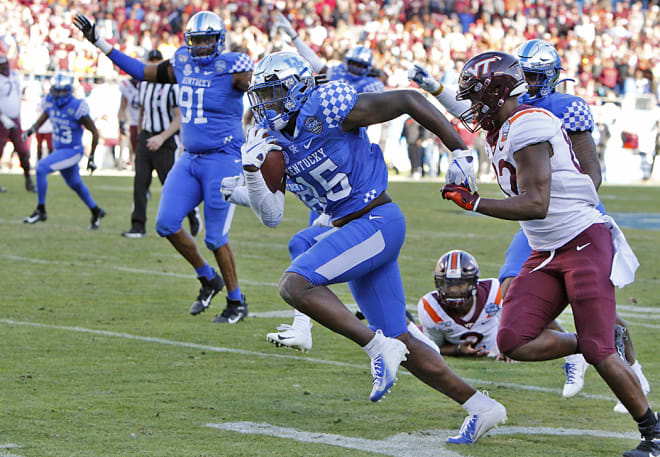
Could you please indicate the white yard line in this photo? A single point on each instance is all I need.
(365, 367)
(429, 443)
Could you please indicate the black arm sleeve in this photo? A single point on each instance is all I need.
(162, 73)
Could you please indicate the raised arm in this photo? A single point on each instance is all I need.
(304, 50)
(374, 108)
(444, 95)
(155, 72)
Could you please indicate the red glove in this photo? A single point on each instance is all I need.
(461, 196)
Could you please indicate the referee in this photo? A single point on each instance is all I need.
(158, 127)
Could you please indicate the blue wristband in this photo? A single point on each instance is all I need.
(132, 66)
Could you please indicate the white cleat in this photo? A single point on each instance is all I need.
(476, 425)
(385, 366)
(291, 337)
(575, 368)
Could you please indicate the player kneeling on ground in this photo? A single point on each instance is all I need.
(319, 131)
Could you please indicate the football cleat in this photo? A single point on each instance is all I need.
(292, 337)
(134, 232)
(195, 221)
(575, 368)
(97, 215)
(209, 289)
(477, 424)
(385, 365)
(3, 189)
(36, 216)
(647, 448)
(235, 312)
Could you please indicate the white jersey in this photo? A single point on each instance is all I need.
(10, 95)
(46, 127)
(482, 321)
(573, 197)
(132, 95)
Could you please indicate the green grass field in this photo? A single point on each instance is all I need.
(101, 358)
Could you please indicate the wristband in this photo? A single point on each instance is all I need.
(474, 207)
(439, 91)
(104, 46)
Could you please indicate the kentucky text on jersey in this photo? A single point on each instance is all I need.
(302, 165)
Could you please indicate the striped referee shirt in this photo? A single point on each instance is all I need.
(157, 101)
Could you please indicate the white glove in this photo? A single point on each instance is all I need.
(229, 184)
(7, 122)
(256, 147)
(461, 170)
(26, 134)
(418, 74)
(322, 221)
(283, 24)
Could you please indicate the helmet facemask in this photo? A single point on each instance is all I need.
(61, 90)
(456, 276)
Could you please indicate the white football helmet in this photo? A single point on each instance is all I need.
(281, 83)
(61, 89)
(204, 24)
(541, 64)
(358, 60)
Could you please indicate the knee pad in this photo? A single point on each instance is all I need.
(508, 340)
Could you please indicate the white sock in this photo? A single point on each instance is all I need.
(423, 337)
(373, 347)
(478, 403)
(575, 358)
(301, 321)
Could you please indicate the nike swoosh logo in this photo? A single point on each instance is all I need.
(233, 320)
(280, 337)
(308, 144)
(579, 248)
(206, 302)
(237, 160)
(208, 72)
(371, 218)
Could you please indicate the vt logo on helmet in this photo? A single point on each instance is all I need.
(281, 83)
(205, 36)
(487, 80)
(61, 89)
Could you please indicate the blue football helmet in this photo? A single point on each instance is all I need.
(202, 25)
(541, 64)
(281, 83)
(358, 60)
(61, 89)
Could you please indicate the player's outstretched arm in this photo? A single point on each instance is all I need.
(446, 96)
(374, 108)
(304, 50)
(38, 123)
(155, 72)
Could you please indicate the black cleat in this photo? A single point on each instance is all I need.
(134, 232)
(97, 215)
(235, 312)
(29, 185)
(38, 215)
(195, 222)
(650, 444)
(209, 289)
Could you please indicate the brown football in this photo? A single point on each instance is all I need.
(273, 170)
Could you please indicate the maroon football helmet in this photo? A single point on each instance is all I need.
(456, 276)
(487, 80)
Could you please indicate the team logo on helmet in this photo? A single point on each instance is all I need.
(314, 125)
(482, 67)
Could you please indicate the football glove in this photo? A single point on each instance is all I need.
(283, 24)
(228, 185)
(322, 221)
(88, 28)
(461, 196)
(91, 166)
(7, 122)
(257, 146)
(26, 134)
(418, 74)
(461, 171)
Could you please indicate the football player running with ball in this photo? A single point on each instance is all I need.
(211, 85)
(320, 130)
(573, 245)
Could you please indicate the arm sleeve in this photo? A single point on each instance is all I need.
(240, 196)
(309, 55)
(447, 98)
(268, 206)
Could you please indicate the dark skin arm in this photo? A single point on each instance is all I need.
(88, 123)
(39, 122)
(587, 154)
(534, 176)
(241, 81)
(151, 72)
(374, 108)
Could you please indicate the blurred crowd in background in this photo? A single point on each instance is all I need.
(608, 47)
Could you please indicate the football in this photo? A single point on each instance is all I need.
(273, 170)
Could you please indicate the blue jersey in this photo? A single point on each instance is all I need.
(67, 129)
(328, 169)
(571, 110)
(360, 83)
(211, 108)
